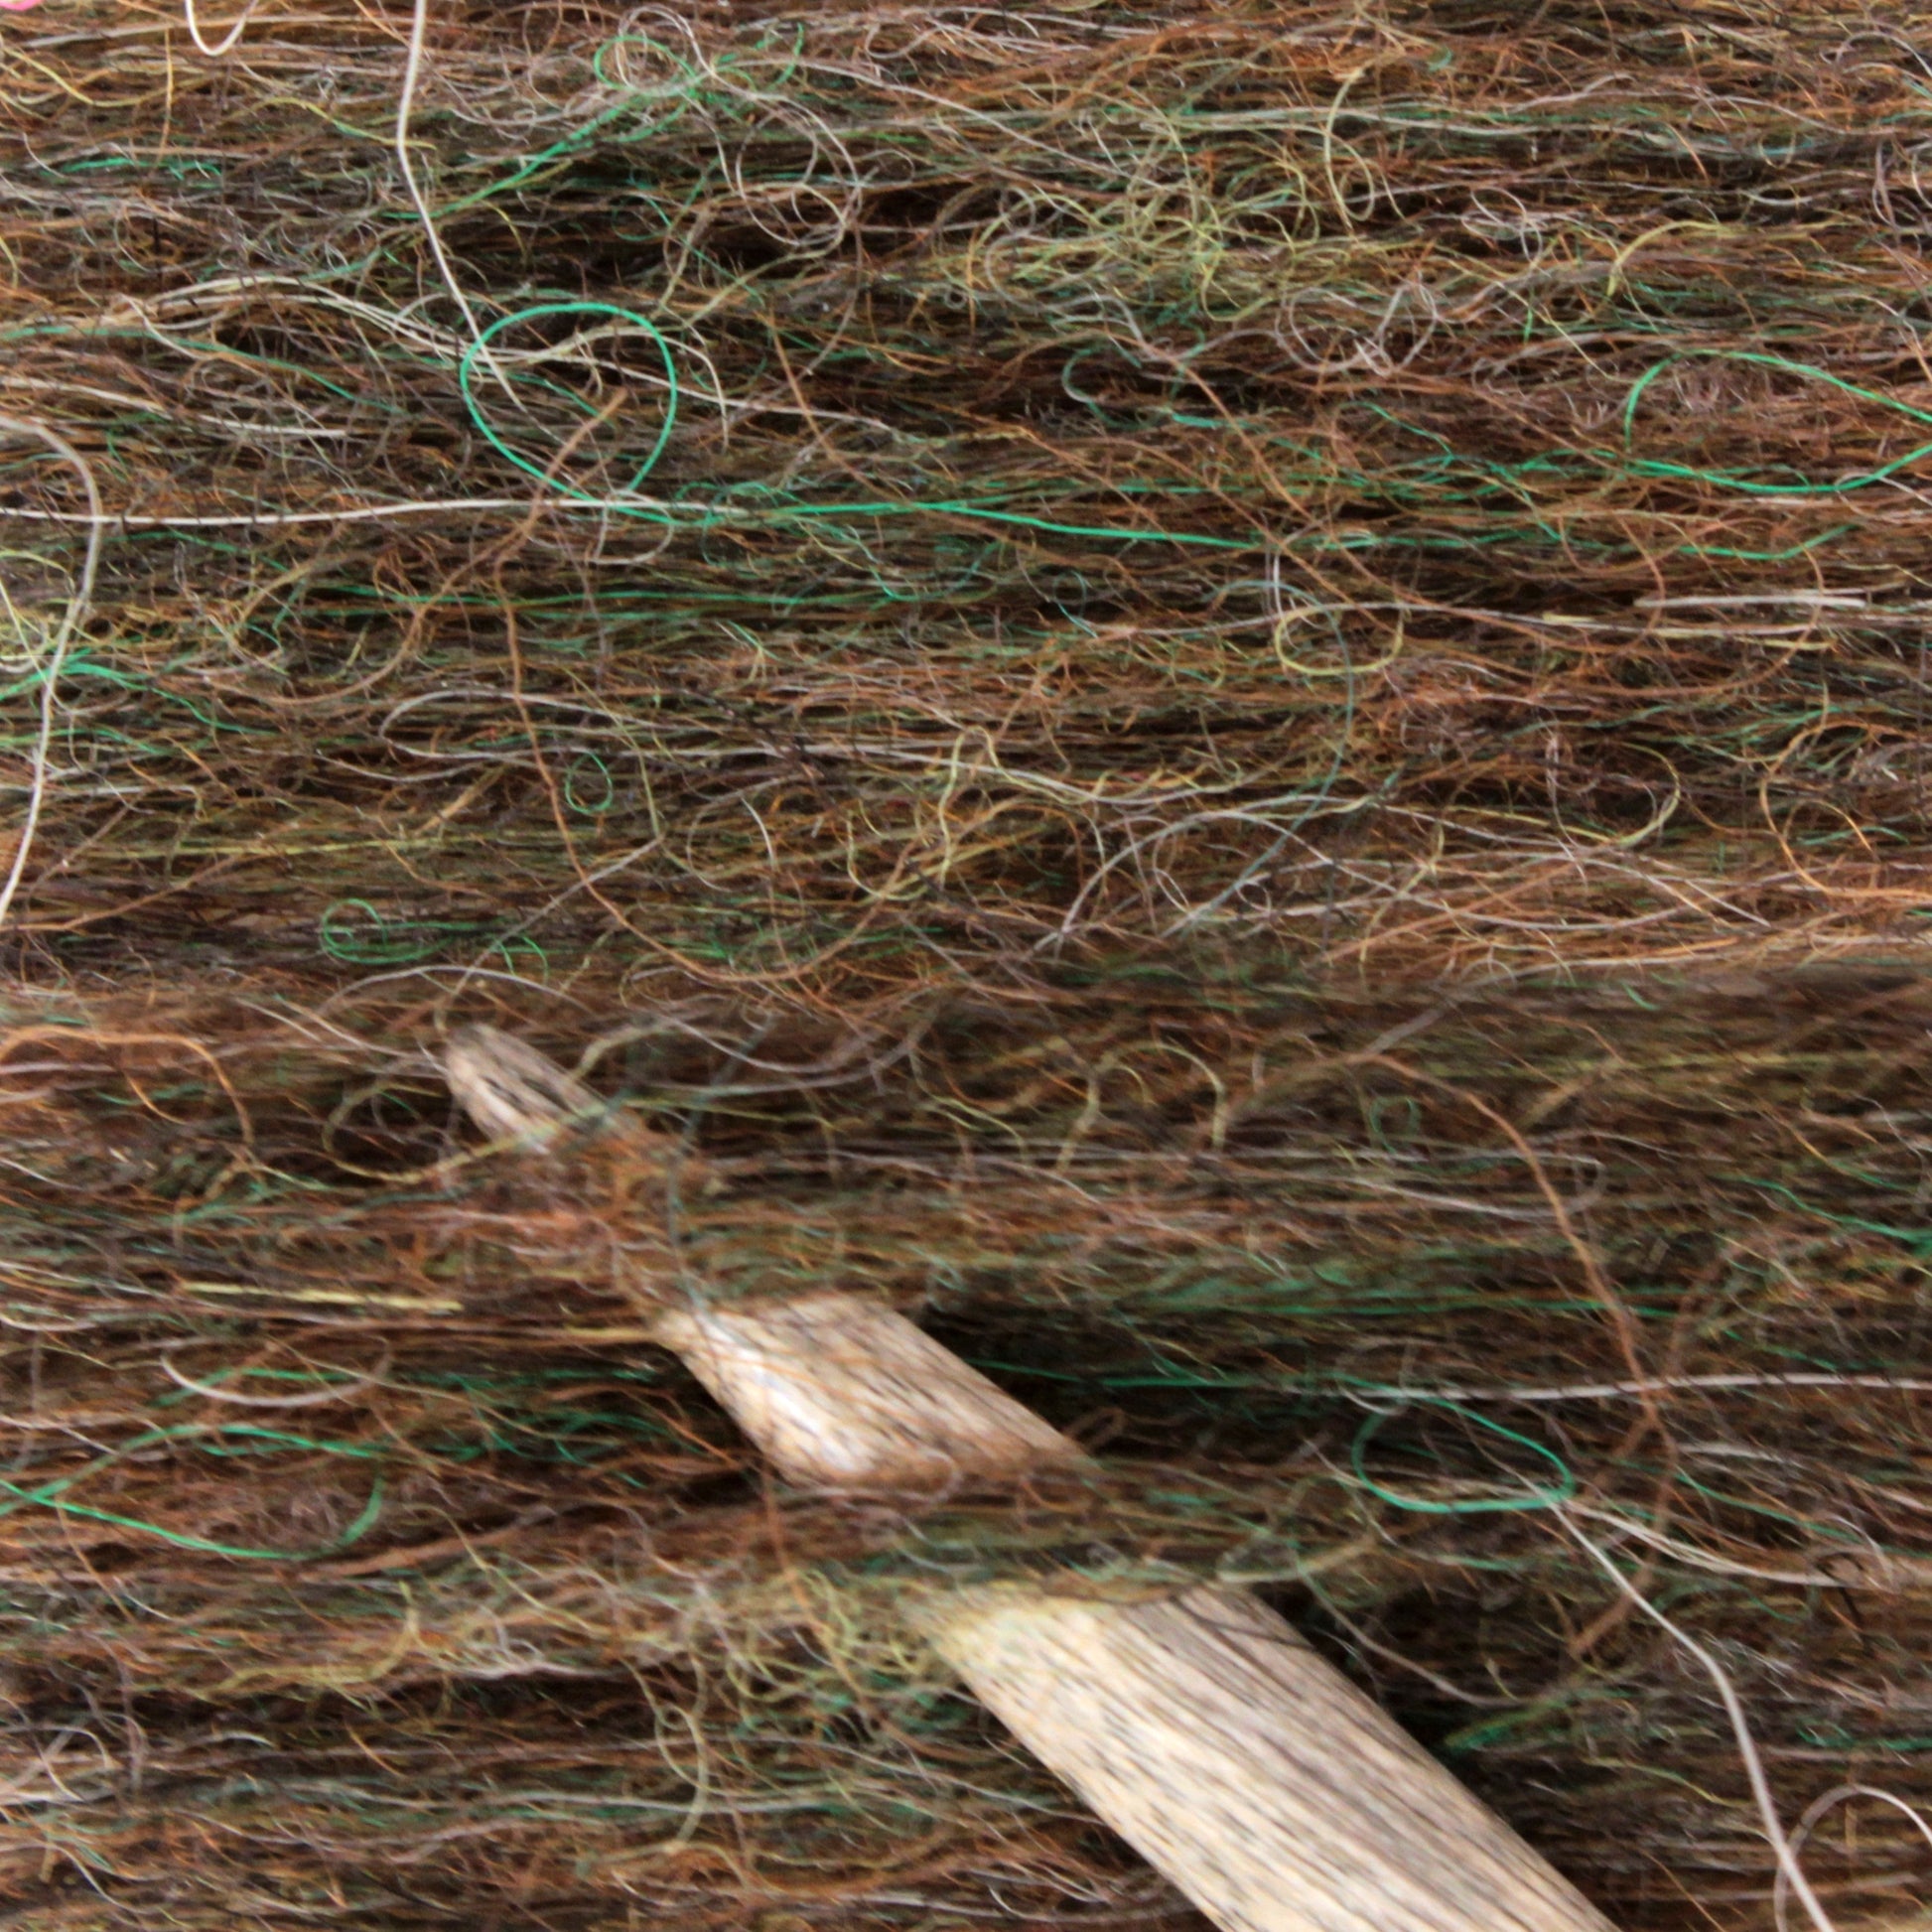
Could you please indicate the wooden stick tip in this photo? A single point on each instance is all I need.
(510, 1090)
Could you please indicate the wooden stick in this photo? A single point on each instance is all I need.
(1200, 1727)
(847, 1393)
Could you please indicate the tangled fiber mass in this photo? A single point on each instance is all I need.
(1232, 695)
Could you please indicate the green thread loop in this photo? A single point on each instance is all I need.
(465, 381)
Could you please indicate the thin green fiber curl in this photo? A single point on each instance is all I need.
(538, 162)
(579, 804)
(1717, 480)
(782, 510)
(52, 1496)
(182, 1540)
(521, 944)
(385, 944)
(466, 372)
(679, 95)
(687, 74)
(1532, 1497)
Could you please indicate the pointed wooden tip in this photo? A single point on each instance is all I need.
(513, 1092)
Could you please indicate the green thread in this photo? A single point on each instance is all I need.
(52, 1496)
(1531, 1498)
(782, 508)
(374, 940)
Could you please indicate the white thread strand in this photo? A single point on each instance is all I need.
(1789, 1871)
(56, 654)
(412, 73)
(1816, 1810)
(234, 32)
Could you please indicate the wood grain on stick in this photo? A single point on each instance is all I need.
(513, 1092)
(847, 1393)
(1245, 1769)
(1200, 1727)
